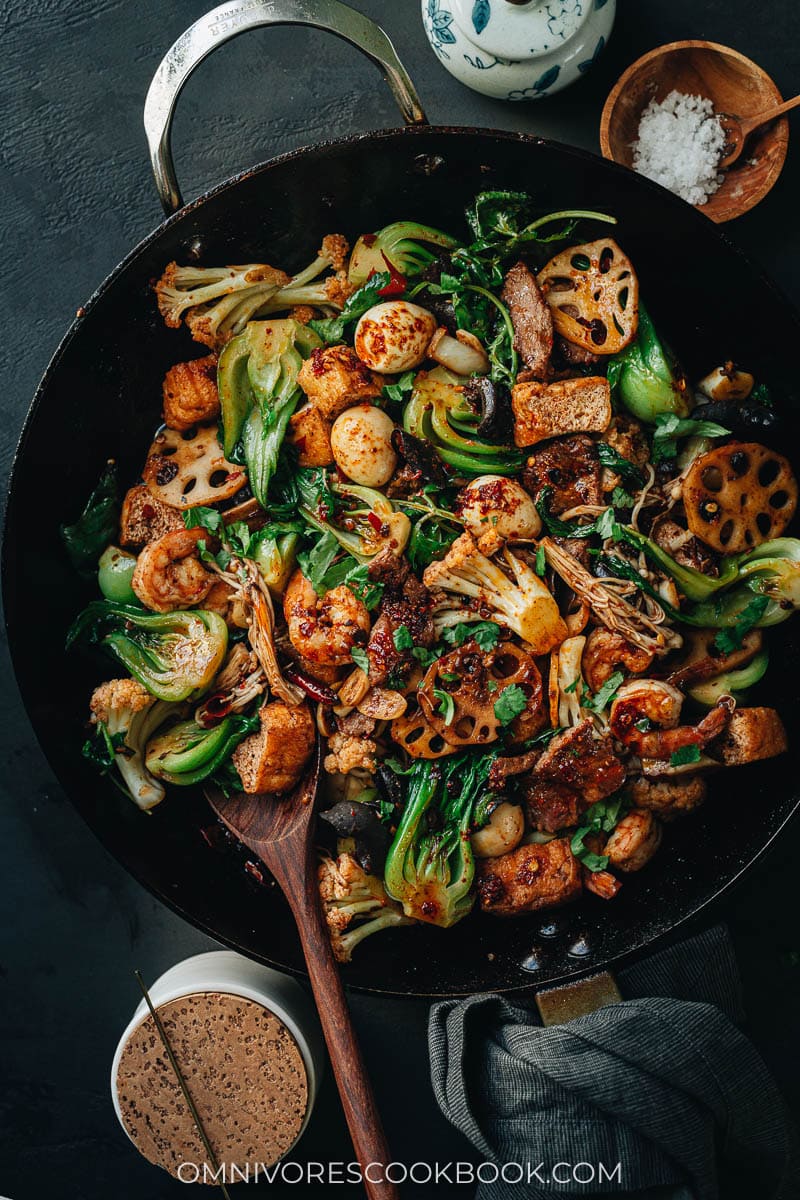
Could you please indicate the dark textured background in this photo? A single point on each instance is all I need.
(76, 196)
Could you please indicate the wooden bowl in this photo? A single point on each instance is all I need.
(734, 84)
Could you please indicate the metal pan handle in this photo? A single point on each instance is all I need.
(228, 21)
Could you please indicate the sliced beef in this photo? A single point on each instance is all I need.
(421, 464)
(551, 805)
(531, 318)
(575, 356)
(356, 724)
(568, 465)
(583, 762)
(406, 601)
(502, 768)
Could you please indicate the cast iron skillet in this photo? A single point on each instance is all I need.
(101, 395)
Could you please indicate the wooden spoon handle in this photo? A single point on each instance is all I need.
(752, 123)
(355, 1090)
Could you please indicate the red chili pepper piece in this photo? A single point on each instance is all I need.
(312, 687)
(375, 521)
(397, 283)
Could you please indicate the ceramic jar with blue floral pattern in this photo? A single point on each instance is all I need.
(518, 51)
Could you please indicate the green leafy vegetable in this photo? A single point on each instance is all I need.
(510, 703)
(603, 697)
(629, 473)
(604, 526)
(601, 817)
(174, 655)
(622, 499)
(332, 330)
(186, 753)
(97, 525)
(670, 428)
(730, 639)
(430, 539)
(399, 390)
(403, 245)
(430, 867)
(437, 394)
(541, 561)
(646, 377)
(485, 633)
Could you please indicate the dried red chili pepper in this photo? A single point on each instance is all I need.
(312, 687)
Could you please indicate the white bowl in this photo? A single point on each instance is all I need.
(230, 973)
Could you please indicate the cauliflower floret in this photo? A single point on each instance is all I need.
(128, 715)
(338, 289)
(335, 247)
(348, 894)
(524, 606)
(116, 694)
(349, 754)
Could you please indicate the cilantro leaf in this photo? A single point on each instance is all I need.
(316, 562)
(606, 693)
(510, 703)
(605, 526)
(332, 329)
(730, 638)
(360, 658)
(424, 656)
(622, 499)
(670, 428)
(368, 591)
(398, 390)
(600, 817)
(685, 755)
(402, 638)
(485, 633)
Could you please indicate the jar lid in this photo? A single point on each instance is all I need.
(519, 31)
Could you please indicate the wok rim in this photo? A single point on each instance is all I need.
(628, 178)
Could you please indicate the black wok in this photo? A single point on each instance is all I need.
(100, 398)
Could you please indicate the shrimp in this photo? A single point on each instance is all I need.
(606, 652)
(169, 574)
(634, 841)
(643, 703)
(324, 629)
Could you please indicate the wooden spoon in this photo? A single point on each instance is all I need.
(738, 129)
(280, 830)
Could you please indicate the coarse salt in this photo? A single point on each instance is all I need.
(680, 144)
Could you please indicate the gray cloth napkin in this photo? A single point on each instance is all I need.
(664, 1084)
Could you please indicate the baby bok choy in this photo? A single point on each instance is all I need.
(174, 655)
(401, 246)
(186, 753)
(646, 377)
(258, 392)
(430, 866)
(436, 405)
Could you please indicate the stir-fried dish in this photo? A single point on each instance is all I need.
(450, 504)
